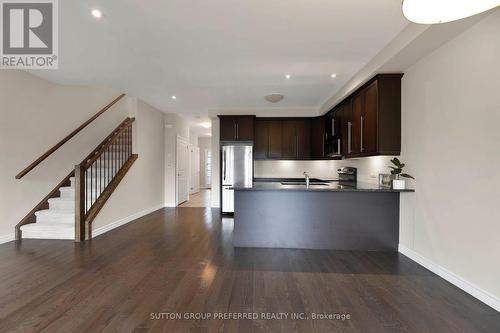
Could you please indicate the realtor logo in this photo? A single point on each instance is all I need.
(29, 34)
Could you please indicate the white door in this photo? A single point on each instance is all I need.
(182, 169)
(195, 170)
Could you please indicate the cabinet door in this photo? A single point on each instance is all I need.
(303, 134)
(244, 128)
(275, 139)
(357, 113)
(369, 120)
(318, 137)
(289, 139)
(261, 139)
(346, 128)
(227, 129)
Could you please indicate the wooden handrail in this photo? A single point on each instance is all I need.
(66, 139)
(98, 175)
(105, 143)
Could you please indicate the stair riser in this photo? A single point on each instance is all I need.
(62, 205)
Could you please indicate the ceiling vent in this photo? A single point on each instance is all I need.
(274, 98)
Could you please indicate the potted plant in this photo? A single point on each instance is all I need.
(397, 172)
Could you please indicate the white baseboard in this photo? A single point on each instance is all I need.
(169, 204)
(7, 238)
(125, 220)
(451, 277)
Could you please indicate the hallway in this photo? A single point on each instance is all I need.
(200, 199)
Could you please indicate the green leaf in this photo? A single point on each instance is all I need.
(396, 171)
(405, 175)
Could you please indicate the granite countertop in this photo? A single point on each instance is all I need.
(332, 186)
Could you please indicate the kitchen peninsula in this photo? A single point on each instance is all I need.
(332, 216)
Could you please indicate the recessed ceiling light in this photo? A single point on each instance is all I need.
(288, 76)
(96, 13)
(174, 97)
(333, 76)
(206, 125)
(441, 11)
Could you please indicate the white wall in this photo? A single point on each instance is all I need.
(142, 190)
(34, 115)
(451, 112)
(215, 192)
(204, 143)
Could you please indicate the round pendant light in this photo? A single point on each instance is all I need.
(441, 11)
(274, 97)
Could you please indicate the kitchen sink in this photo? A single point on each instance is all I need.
(304, 183)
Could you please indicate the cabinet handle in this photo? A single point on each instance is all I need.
(338, 146)
(236, 131)
(362, 127)
(349, 134)
(333, 126)
(296, 145)
(269, 146)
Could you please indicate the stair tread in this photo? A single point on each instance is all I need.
(52, 212)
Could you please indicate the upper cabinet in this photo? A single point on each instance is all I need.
(237, 128)
(318, 137)
(296, 139)
(286, 138)
(370, 118)
(268, 139)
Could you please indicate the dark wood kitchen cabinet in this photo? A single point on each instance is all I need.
(296, 139)
(275, 139)
(268, 139)
(344, 116)
(236, 128)
(370, 118)
(318, 137)
(261, 140)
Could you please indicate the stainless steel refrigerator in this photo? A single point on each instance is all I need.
(237, 169)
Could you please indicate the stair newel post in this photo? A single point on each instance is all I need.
(80, 232)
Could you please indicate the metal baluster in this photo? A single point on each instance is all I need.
(114, 159)
(121, 149)
(85, 186)
(91, 183)
(100, 175)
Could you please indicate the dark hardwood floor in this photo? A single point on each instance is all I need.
(182, 261)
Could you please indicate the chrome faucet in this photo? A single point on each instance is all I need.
(307, 179)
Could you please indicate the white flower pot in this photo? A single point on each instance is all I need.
(398, 184)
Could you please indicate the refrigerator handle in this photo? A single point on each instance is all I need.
(224, 164)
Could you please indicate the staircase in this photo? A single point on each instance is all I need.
(57, 222)
(69, 209)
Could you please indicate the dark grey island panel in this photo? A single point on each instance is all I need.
(337, 220)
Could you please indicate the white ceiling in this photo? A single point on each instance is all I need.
(222, 54)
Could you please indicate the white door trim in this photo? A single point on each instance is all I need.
(185, 141)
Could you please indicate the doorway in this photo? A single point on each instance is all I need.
(182, 171)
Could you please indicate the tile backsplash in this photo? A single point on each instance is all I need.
(368, 168)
